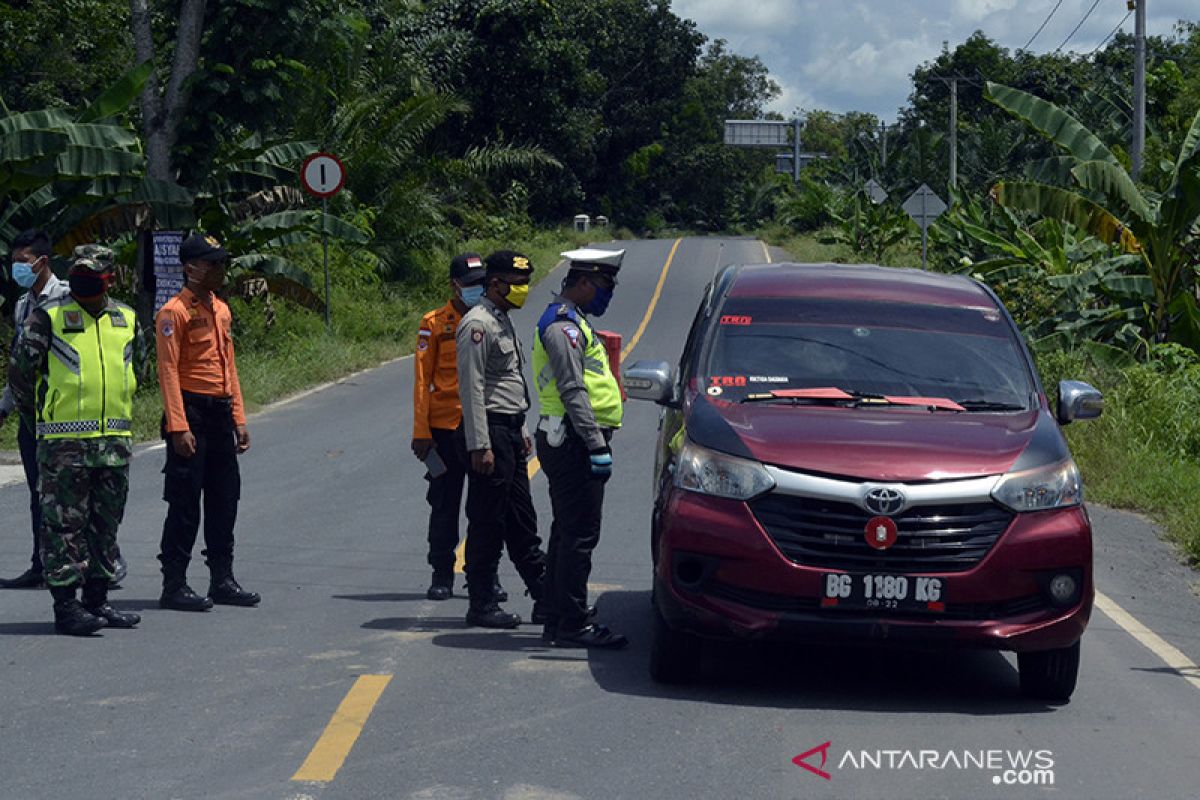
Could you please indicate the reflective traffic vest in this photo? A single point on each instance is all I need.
(87, 390)
(603, 391)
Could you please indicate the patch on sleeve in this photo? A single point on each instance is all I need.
(167, 327)
(476, 336)
(572, 334)
(422, 344)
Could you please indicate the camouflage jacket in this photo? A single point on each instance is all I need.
(29, 361)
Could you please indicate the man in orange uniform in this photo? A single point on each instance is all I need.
(437, 412)
(204, 423)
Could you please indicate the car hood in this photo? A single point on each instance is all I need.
(881, 444)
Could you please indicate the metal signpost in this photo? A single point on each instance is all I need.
(324, 176)
(924, 206)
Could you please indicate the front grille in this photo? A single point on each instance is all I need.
(938, 538)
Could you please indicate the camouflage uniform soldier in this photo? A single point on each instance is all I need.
(73, 380)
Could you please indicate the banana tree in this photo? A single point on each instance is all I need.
(1101, 198)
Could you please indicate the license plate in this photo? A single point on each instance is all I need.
(884, 592)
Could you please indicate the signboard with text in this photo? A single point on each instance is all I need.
(168, 272)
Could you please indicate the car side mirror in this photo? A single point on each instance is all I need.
(1078, 400)
(649, 380)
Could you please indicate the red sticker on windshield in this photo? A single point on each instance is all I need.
(733, 319)
(727, 380)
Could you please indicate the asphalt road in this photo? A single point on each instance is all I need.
(232, 703)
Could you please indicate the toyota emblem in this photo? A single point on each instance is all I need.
(884, 501)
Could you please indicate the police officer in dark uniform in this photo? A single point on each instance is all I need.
(580, 409)
(491, 386)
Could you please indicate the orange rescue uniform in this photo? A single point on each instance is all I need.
(195, 354)
(435, 387)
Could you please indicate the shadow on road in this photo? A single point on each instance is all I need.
(27, 629)
(813, 676)
(382, 597)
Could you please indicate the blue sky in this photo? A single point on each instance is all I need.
(857, 55)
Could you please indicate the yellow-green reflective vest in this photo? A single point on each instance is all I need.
(603, 391)
(87, 391)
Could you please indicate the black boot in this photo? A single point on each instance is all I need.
(70, 618)
(492, 616)
(29, 579)
(591, 635)
(95, 601)
(441, 587)
(226, 591)
(177, 595)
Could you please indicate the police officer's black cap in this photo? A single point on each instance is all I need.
(591, 260)
(467, 268)
(508, 262)
(200, 247)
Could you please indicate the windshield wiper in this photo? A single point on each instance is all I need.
(834, 396)
(990, 405)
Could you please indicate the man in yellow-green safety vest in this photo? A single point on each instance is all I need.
(581, 407)
(72, 377)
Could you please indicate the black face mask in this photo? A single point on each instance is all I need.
(87, 285)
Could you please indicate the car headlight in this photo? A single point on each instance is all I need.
(1052, 486)
(709, 472)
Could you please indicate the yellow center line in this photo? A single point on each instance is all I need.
(330, 751)
(460, 558)
(662, 278)
(1172, 656)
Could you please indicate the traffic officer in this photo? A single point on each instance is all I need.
(204, 423)
(495, 398)
(580, 409)
(437, 413)
(73, 380)
(31, 251)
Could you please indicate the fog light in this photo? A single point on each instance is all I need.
(1063, 589)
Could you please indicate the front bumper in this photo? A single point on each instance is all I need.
(719, 575)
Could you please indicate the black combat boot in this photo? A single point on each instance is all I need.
(226, 591)
(179, 596)
(95, 601)
(441, 587)
(70, 618)
(492, 616)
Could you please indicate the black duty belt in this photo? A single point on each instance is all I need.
(505, 420)
(206, 401)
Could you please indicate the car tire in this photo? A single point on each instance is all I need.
(1049, 674)
(674, 655)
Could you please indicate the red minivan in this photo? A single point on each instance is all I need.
(861, 453)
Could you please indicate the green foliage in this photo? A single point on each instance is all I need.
(869, 229)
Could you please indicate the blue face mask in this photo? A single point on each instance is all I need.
(471, 295)
(23, 274)
(599, 303)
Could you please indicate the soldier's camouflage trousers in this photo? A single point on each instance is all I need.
(81, 510)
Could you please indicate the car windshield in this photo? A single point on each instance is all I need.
(967, 355)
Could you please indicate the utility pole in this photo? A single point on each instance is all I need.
(1139, 85)
(954, 132)
(882, 145)
(796, 128)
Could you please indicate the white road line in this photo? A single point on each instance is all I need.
(1171, 655)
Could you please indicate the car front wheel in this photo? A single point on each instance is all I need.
(1049, 674)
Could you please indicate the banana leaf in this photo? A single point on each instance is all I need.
(1114, 183)
(1051, 121)
(284, 278)
(118, 97)
(1067, 206)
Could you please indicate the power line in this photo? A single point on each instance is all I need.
(1113, 33)
(1043, 25)
(1077, 27)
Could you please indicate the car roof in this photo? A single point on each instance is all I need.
(858, 282)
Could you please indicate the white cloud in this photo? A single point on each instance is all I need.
(859, 54)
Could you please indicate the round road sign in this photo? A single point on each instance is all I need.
(322, 174)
